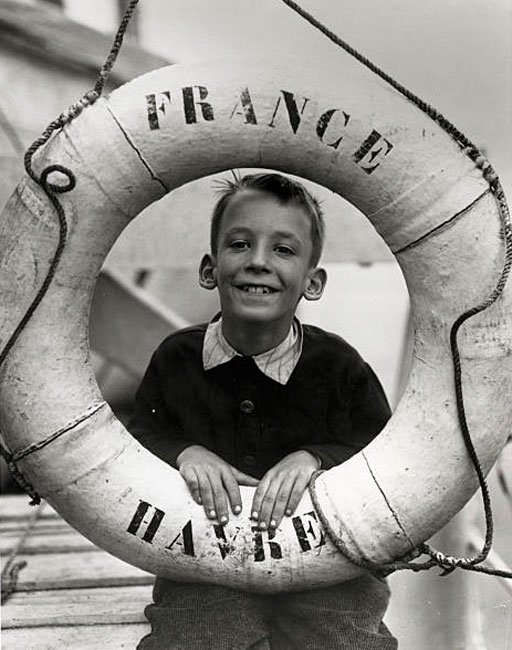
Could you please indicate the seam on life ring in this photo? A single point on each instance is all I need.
(53, 436)
(139, 154)
(441, 226)
(395, 516)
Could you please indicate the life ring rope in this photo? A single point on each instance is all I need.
(36, 446)
(471, 149)
(437, 557)
(53, 189)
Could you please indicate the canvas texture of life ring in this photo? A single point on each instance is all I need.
(339, 126)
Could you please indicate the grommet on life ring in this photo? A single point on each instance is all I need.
(349, 131)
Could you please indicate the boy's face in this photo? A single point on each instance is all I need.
(262, 265)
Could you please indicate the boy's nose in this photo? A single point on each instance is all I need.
(258, 258)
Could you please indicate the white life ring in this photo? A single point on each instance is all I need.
(349, 131)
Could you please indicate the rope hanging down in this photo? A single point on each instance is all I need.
(13, 566)
(52, 190)
(448, 563)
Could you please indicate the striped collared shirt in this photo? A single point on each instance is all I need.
(277, 363)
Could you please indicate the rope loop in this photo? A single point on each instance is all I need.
(54, 187)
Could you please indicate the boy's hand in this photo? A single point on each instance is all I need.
(212, 481)
(282, 487)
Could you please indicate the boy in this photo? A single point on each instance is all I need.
(255, 398)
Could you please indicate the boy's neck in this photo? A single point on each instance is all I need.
(254, 338)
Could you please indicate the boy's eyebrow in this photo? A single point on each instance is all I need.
(237, 229)
(286, 234)
(278, 234)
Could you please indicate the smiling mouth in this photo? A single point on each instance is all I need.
(257, 289)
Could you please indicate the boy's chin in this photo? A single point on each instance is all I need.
(260, 318)
(248, 316)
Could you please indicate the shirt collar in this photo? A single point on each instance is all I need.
(277, 363)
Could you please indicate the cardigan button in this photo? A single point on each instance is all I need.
(247, 406)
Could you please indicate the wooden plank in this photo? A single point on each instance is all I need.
(46, 542)
(76, 571)
(48, 533)
(95, 637)
(101, 606)
(41, 526)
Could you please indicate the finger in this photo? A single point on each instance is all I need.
(281, 501)
(206, 494)
(296, 495)
(258, 497)
(190, 477)
(219, 497)
(268, 503)
(233, 491)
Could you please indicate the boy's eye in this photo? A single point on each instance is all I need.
(285, 250)
(238, 244)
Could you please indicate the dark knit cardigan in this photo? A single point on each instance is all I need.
(333, 404)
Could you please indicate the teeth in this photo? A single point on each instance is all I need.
(253, 289)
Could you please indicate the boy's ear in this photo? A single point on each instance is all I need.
(315, 284)
(207, 272)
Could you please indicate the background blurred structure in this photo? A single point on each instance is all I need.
(50, 53)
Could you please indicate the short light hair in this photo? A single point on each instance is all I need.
(285, 190)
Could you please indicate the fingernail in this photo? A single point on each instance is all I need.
(288, 512)
(262, 525)
(223, 519)
(237, 509)
(212, 514)
(254, 515)
(273, 523)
